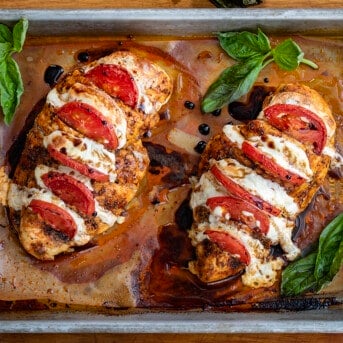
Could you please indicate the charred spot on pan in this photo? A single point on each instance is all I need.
(160, 157)
(297, 304)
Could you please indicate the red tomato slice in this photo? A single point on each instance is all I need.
(56, 217)
(229, 244)
(240, 192)
(89, 121)
(71, 191)
(236, 208)
(115, 81)
(299, 123)
(269, 165)
(80, 167)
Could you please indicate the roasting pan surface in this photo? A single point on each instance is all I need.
(192, 22)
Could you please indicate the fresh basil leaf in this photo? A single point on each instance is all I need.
(19, 34)
(11, 88)
(337, 262)
(5, 34)
(232, 83)
(246, 48)
(329, 243)
(298, 277)
(287, 55)
(5, 49)
(243, 45)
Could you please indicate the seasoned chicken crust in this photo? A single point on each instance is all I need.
(255, 178)
(83, 160)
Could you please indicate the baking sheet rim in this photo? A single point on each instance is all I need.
(324, 321)
(315, 321)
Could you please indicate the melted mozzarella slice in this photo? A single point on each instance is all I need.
(153, 84)
(205, 188)
(257, 185)
(312, 102)
(85, 150)
(98, 100)
(285, 151)
(104, 215)
(262, 269)
(21, 197)
(280, 229)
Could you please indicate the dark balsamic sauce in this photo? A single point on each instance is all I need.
(184, 216)
(189, 105)
(83, 56)
(204, 129)
(168, 281)
(217, 112)
(52, 74)
(200, 147)
(250, 110)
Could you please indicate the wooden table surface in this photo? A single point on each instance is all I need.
(166, 338)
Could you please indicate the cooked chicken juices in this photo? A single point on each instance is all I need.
(83, 160)
(255, 179)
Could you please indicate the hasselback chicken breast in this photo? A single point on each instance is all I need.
(83, 161)
(255, 178)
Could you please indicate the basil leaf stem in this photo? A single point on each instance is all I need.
(309, 63)
(249, 50)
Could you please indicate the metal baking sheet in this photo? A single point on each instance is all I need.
(175, 22)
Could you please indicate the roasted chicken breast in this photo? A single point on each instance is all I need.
(255, 178)
(83, 160)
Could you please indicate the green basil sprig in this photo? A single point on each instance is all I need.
(316, 270)
(253, 52)
(11, 84)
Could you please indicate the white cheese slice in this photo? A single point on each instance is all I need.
(21, 197)
(104, 215)
(262, 269)
(207, 187)
(294, 98)
(97, 99)
(89, 152)
(255, 184)
(145, 74)
(286, 152)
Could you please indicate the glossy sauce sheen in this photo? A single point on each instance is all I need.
(158, 219)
